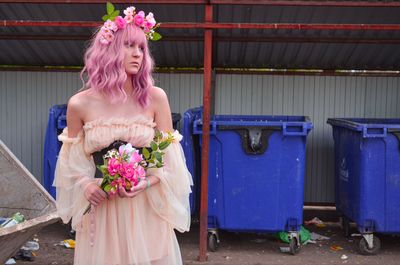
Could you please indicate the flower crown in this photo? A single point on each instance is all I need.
(114, 22)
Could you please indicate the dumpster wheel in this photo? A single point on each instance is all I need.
(294, 245)
(364, 247)
(213, 241)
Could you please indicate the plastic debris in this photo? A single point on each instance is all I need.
(10, 261)
(309, 242)
(316, 236)
(30, 245)
(344, 257)
(68, 243)
(304, 235)
(25, 255)
(336, 248)
(16, 218)
(284, 249)
(315, 221)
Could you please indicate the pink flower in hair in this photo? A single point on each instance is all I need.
(120, 22)
(139, 18)
(110, 25)
(128, 19)
(129, 11)
(104, 40)
(150, 21)
(109, 37)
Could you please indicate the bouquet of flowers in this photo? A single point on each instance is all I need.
(125, 167)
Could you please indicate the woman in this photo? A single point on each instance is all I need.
(121, 104)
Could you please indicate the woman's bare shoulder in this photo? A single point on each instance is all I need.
(79, 104)
(82, 99)
(158, 94)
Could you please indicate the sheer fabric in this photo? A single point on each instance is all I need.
(123, 231)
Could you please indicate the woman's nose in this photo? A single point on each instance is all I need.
(135, 51)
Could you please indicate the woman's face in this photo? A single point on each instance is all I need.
(133, 57)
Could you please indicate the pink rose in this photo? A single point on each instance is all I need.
(128, 171)
(114, 166)
(120, 22)
(139, 18)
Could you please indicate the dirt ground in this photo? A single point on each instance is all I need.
(243, 249)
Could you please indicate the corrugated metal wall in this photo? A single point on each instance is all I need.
(25, 98)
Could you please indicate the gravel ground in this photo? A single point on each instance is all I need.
(243, 249)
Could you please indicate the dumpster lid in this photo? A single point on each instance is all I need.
(360, 124)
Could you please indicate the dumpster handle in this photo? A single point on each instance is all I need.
(198, 127)
(374, 131)
(287, 129)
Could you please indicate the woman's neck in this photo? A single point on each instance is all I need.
(128, 86)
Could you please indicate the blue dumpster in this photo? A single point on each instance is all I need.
(367, 177)
(191, 148)
(55, 125)
(256, 174)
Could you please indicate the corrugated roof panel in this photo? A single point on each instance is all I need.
(236, 53)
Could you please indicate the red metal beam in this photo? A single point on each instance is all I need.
(309, 3)
(224, 2)
(276, 39)
(210, 25)
(103, 2)
(286, 26)
(205, 136)
(233, 71)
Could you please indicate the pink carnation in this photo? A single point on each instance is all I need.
(120, 22)
(139, 18)
(114, 166)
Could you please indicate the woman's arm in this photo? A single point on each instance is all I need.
(75, 110)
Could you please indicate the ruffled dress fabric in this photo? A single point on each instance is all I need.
(123, 231)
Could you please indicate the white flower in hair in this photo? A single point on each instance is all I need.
(129, 11)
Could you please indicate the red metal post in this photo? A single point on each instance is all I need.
(206, 135)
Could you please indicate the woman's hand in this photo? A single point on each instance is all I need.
(141, 186)
(94, 194)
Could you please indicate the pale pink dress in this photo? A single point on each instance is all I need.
(123, 231)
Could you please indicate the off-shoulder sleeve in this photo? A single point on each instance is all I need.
(74, 171)
(170, 198)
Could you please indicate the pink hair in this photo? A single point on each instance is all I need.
(105, 69)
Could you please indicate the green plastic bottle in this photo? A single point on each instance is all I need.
(16, 218)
